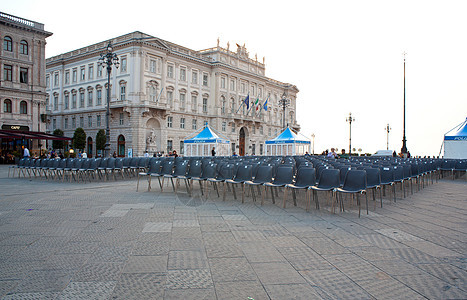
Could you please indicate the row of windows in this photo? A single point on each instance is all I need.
(72, 77)
(89, 122)
(8, 45)
(8, 74)
(90, 98)
(183, 75)
(8, 106)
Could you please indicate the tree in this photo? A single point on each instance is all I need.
(100, 140)
(79, 138)
(57, 144)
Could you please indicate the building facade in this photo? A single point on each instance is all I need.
(22, 84)
(163, 92)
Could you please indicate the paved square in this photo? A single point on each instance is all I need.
(104, 240)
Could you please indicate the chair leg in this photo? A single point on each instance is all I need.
(137, 184)
(243, 193)
(272, 195)
(366, 197)
(234, 192)
(294, 196)
(223, 190)
(285, 196)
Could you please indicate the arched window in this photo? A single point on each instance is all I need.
(121, 146)
(7, 106)
(7, 44)
(23, 47)
(222, 104)
(23, 107)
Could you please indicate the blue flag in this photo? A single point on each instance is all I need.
(247, 101)
(265, 105)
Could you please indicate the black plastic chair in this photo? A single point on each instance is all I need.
(154, 169)
(306, 177)
(244, 173)
(373, 182)
(354, 184)
(225, 172)
(387, 179)
(209, 170)
(328, 181)
(284, 176)
(180, 170)
(194, 171)
(263, 175)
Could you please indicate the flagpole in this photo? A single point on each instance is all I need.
(243, 102)
(157, 100)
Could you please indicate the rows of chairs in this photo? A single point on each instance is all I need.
(260, 176)
(263, 175)
(79, 169)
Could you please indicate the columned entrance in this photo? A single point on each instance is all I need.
(241, 142)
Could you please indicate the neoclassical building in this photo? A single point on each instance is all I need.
(22, 84)
(163, 92)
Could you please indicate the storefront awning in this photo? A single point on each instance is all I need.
(34, 135)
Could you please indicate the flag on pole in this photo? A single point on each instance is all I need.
(256, 103)
(244, 102)
(157, 100)
(265, 105)
(247, 101)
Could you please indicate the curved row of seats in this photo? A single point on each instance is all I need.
(258, 175)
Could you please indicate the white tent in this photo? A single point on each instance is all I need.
(287, 143)
(203, 142)
(455, 142)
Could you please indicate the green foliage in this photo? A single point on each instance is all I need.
(58, 144)
(100, 140)
(79, 139)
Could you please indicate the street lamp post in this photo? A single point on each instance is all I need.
(404, 140)
(387, 129)
(313, 137)
(106, 61)
(284, 102)
(350, 119)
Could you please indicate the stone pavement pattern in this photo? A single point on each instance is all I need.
(104, 240)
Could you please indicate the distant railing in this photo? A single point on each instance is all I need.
(22, 21)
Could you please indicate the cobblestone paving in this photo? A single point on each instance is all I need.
(104, 240)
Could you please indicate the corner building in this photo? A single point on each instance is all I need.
(163, 92)
(22, 84)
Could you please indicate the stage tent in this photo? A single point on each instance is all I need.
(287, 143)
(203, 142)
(455, 142)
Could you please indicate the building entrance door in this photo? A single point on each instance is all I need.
(241, 143)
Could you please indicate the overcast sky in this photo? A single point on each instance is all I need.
(344, 56)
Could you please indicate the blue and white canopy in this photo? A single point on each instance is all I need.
(207, 136)
(287, 137)
(459, 133)
(455, 142)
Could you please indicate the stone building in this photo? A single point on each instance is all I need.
(163, 92)
(22, 84)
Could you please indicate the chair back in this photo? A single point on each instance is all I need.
(284, 174)
(195, 168)
(167, 167)
(85, 163)
(181, 167)
(209, 171)
(244, 173)
(373, 177)
(226, 172)
(387, 175)
(355, 181)
(306, 176)
(264, 174)
(103, 163)
(111, 163)
(329, 179)
(119, 163)
(155, 166)
(94, 162)
(398, 173)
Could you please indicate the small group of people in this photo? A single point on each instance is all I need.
(333, 153)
